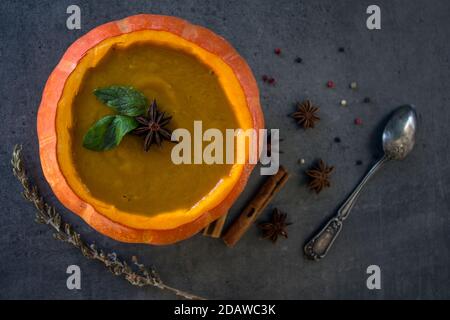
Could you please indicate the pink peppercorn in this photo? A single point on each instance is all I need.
(277, 51)
(265, 78)
(271, 81)
(330, 84)
(358, 121)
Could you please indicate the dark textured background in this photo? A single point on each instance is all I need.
(400, 223)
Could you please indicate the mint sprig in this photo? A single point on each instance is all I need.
(125, 100)
(108, 132)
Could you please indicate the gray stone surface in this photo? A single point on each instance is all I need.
(400, 223)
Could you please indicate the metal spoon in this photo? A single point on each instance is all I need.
(398, 141)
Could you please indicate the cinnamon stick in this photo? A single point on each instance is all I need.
(214, 229)
(266, 192)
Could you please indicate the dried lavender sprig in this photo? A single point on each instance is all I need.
(136, 274)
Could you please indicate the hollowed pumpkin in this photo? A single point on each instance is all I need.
(126, 193)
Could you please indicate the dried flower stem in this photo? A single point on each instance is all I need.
(136, 274)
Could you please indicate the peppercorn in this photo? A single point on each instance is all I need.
(330, 84)
(341, 49)
(343, 103)
(366, 100)
(277, 51)
(359, 162)
(358, 121)
(298, 60)
(337, 140)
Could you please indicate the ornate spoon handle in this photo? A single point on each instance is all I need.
(319, 245)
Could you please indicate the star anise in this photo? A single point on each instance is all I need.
(320, 177)
(152, 126)
(306, 114)
(276, 227)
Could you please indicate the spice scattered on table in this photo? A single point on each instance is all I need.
(366, 100)
(301, 161)
(320, 176)
(276, 227)
(337, 140)
(277, 51)
(306, 114)
(359, 162)
(358, 121)
(330, 84)
(268, 79)
(214, 229)
(343, 103)
(255, 206)
(353, 85)
(298, 60)
(341, 49)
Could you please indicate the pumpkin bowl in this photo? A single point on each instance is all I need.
(128, 194)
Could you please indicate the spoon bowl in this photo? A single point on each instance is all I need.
(399, 135)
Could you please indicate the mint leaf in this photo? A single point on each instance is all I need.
(107, 133)
(125, 100)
